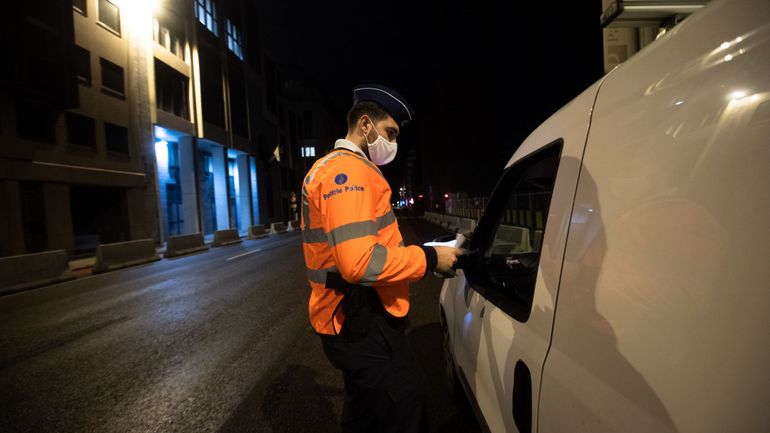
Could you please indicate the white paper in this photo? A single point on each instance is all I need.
(456, 242)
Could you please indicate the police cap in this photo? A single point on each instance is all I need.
(393, 103)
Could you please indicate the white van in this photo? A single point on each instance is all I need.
(621, 279)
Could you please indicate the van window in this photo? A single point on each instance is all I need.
(512, 247)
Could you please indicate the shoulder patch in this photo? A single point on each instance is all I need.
(342, 186)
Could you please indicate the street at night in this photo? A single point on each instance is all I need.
(212, 342)
(281, 216)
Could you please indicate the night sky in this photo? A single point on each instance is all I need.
(480, 76)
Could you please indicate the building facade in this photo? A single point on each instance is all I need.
(129, 120)
(630, 25)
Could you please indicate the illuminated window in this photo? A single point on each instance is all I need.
(208, 163)
(206, 12)
(234, 39)
(308, 152)
(109, 15)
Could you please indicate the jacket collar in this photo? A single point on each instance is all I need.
(349, 145)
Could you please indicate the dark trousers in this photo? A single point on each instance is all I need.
(383, 385)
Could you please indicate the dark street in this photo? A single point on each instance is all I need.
(197, 195)
(213, 342)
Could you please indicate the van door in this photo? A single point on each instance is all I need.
(504, 314)
(512, 346)
(663, 316)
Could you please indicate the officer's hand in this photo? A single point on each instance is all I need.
(447, 257)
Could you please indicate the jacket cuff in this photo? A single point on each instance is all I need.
(431, 259)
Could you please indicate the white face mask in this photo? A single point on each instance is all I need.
(381, 151)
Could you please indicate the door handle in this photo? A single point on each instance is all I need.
(522, 397)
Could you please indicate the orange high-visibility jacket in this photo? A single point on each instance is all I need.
(348, 227)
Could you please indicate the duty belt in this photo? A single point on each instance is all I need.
(360, 304)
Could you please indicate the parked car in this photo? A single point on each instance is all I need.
(621, 280)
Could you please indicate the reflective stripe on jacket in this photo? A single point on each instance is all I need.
(348, 227)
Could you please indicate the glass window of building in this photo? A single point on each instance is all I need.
(174, 201)
(116, 138)
(168, 37)
(109, 15)
(308, 152)
(112, 78)
(206, 12)
(234, 39)
(171, 89)
(81, 130)
(82, 63)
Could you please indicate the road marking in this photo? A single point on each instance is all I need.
(244, 254)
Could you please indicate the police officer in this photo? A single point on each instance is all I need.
(293, 205)
(359, 269)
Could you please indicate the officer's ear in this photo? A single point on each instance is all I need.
(364, 122)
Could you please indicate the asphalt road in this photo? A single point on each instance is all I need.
(213, 342)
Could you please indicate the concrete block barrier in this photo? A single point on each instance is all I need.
(432, 217)
(226, 237)
(511, 239)
(184, 244)
(33, 270)
(467, 226)
(257, 231)
(276, 228)
(110, 257)
(537, 241)
(453, 222)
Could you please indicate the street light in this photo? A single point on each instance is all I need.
(138, 14)
(133, 6)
